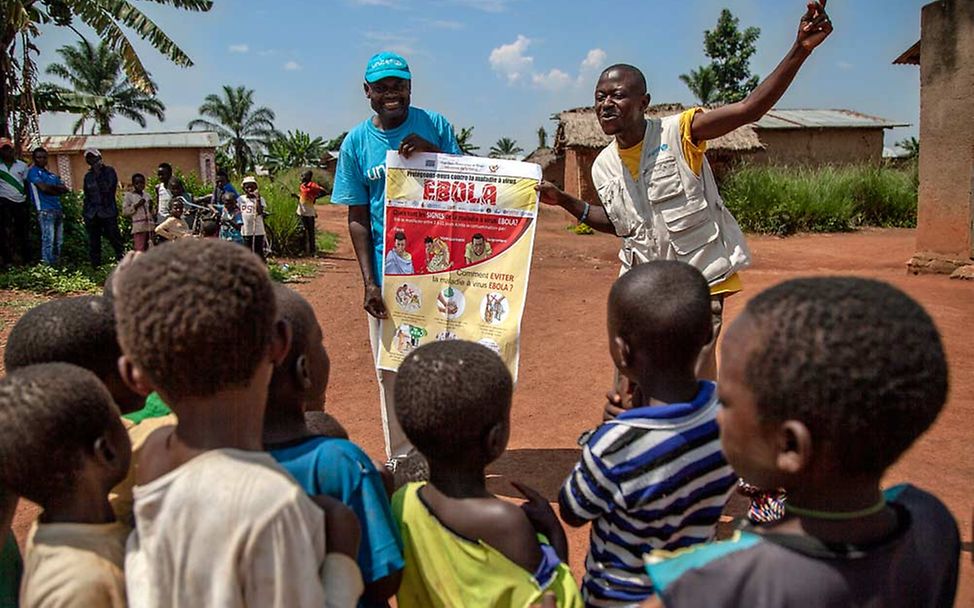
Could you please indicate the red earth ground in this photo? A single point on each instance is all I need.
(565, 368)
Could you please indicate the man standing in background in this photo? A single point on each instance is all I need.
(100, 210)
(14, 212)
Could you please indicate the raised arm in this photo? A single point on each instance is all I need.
(815, 27)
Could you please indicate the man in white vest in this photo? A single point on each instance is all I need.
(656, 187)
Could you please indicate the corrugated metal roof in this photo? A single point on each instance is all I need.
(823, 119)
(131, 141)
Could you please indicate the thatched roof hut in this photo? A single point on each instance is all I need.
(579, 128)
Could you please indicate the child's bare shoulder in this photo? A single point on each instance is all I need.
(506, 528)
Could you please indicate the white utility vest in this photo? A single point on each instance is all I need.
(669, 213)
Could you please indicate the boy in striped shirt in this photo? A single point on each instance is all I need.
(654, 477)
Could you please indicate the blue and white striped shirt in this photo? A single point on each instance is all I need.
(653, 478)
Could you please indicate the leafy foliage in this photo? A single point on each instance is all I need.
(296, 149)
(505, 148)
(730, 51)
(335, 143)
(911, 146)
(244, 129)
(580, 228)
(464, 138)
(785, 200)
(702, 83)
(542, 138)
(283, 224)
(97, 71)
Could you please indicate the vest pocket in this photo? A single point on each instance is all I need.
(665, 181)
(689, 224)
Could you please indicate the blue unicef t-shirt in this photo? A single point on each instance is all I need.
(361, 174)
(43, 202)
(340, 469)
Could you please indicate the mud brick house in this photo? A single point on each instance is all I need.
(945, 217)
(552, 165)
(187, 151)
(782, 137)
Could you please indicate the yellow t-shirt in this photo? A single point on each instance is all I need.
(693, 153)
(75, 565)
(444, 569)
(121, 495)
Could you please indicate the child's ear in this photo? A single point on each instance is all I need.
(133, 377)
(621, 353)
(280, 342)
(104, 451)
(794, 447)
(301, 373)
(496, 441)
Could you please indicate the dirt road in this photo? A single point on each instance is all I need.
(565, 367)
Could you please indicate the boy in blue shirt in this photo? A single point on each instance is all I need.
(46, 189)
(360, 183)
(327, 465)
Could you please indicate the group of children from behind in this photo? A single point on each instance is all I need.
(233, 500)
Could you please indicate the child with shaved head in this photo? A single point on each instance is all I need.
(463, 545)
(653, 477)
(63, 447)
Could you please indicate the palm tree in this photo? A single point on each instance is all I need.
(22, 18)
(243, 129)
(97, 71)
(911, 146)
(335, 143)
(702, 82)
(463, 140)
(296, 149)
(542, 138)
(505, 148)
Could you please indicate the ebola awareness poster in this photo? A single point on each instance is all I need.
(459, 235)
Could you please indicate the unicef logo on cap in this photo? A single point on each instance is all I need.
(386, 65)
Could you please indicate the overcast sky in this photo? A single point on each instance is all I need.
(504, 66)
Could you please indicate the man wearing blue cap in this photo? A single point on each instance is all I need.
(360, 183)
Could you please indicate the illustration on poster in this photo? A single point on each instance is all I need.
(494, 308)
(408, 297)
(450, 302)
(437, 255)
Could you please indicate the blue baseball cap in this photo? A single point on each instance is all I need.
(386, 64)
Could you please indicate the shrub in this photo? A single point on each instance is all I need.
(785, 200)
(580, 228)
(55, 280)
(283, 224)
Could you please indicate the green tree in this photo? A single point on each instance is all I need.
(702, 84)
(97, 71)
(910, 145)
(464, 138)
(730, 51)
(22, 18)
(244, 130)
(505, 148)
(335, 143)
(297, 149)
(542, 138)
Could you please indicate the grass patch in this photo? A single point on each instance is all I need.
(326, 241)
(55, 281)
(296, 272)
(786, 200)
